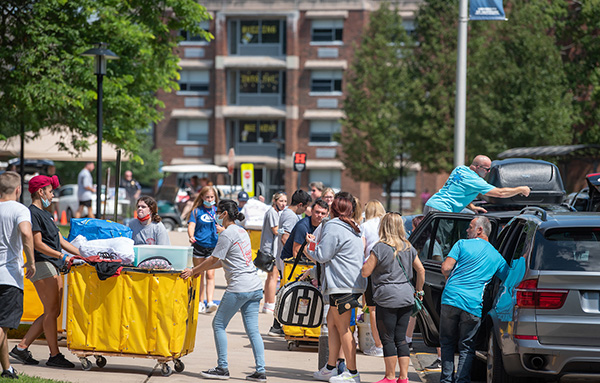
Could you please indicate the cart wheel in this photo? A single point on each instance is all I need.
(100, 361)
(179, 366)
(290, 346)
(166, 370)
(86, 365)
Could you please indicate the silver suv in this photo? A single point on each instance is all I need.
(542, 322)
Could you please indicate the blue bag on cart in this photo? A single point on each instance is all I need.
(93, 228)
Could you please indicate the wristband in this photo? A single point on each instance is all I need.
(420, 293)
(64, 257)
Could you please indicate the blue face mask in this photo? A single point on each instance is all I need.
(45, 202)
(219, 221)
(209, 203)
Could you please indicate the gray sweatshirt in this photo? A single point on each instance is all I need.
(341, 253)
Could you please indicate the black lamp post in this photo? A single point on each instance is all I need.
(101, 53)
(280, 142)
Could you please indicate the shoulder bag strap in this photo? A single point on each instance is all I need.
(404, 270)
(297, 258)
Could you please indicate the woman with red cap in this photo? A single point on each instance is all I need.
(47, 244)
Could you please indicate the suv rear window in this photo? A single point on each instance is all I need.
(572, 249)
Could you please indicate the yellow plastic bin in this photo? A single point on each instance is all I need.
(149, 314)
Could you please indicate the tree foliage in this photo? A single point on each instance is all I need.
(517, 91)
(45, 82)
(373, 131)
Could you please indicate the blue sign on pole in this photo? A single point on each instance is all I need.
(486, 10)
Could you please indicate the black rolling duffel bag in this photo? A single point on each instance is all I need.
(299, 304)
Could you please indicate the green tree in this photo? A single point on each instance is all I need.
(45, 82)
(577, 33)
(372, 131)
(517, 92)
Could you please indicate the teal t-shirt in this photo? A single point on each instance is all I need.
(477, 261)
(460, 189)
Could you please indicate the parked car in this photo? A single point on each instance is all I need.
(69, 203)
(588, 198)
(169, 213)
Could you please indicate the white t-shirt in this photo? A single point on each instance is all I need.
(12, 214)
(235, 252)
(370, 232)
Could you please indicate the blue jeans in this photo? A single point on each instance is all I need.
(457, 327)
(249, 304)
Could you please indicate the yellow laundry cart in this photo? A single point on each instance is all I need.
(297, 336)
(140, 314)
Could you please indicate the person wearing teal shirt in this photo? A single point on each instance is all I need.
(468, 268)
(463, 186)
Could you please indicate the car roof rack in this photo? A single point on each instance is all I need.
(536, 211)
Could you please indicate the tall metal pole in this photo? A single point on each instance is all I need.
(99, 148)
(22, 162)
(461, 85)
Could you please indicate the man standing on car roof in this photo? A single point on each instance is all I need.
(463, 186)
(468, 268)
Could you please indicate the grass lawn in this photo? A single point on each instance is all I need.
(64, 230)
(32, 379)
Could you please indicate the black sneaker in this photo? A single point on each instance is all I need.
(435, 366)
(216, 373)
(11, 374)
(257, 377)
(23, 356)
(275, 331)
(59, 360)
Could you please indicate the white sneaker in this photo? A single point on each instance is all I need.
(324, 374)
(374, 351)
(211, 307)
(346, 376)
(201, 308)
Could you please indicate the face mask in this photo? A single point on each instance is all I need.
(144, 219)
(209, 203)
(45, 202)
(219, 221)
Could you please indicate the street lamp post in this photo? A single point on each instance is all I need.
(280, 142)
(101, 53)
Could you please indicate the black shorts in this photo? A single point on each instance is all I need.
(85, 203)
(201, 251)
(11, 306)
(369, 294)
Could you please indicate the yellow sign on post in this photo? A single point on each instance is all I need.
(248, 179)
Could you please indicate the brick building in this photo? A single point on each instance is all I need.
(271, 83)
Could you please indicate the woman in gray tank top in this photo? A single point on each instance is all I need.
(392, 292)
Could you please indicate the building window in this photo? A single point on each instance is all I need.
(327, 30)
(192, 132)
(257, 37)
(409, 183)
(330, 177)
(326, 81)
(260, 82)
(322, 132)
(256, 87)
(261, 131)
(188, 37)
(196, 81)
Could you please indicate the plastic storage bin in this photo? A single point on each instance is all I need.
(150, 314)
(179, 256)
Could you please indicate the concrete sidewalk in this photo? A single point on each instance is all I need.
(282, 365)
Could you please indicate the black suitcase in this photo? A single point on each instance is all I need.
(541, 176)
(299, 304)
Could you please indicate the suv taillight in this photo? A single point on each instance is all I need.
(529, 296)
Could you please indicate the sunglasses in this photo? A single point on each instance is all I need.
(484, 168)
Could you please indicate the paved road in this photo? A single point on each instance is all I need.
(282, 365)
